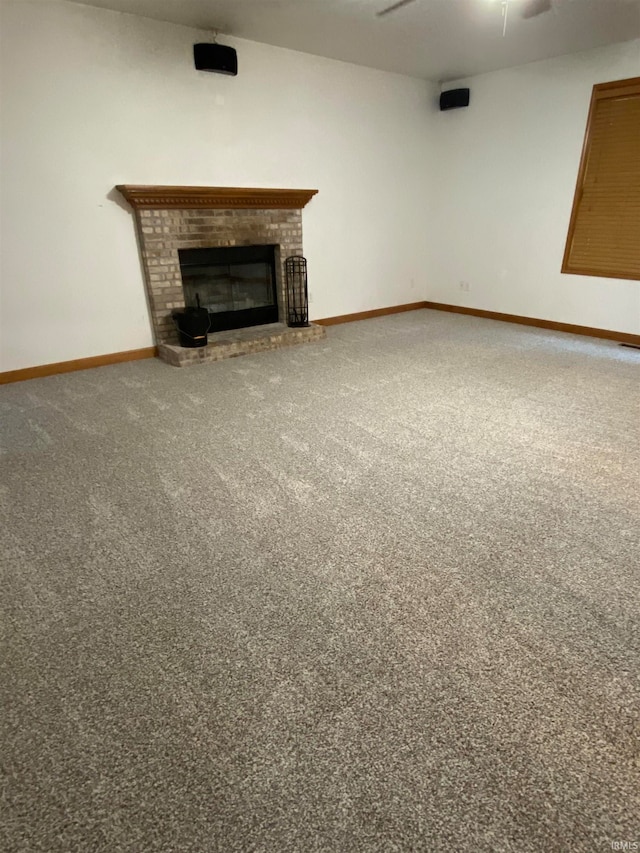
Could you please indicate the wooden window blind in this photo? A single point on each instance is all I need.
(604, 231)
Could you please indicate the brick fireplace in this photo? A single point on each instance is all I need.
(172, 218)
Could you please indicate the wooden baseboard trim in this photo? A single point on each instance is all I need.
(369, 315)
(150, 352)
(622, 337)
(76, 364)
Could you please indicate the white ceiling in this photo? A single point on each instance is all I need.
(435, 39)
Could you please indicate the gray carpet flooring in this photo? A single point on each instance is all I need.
(378, 593)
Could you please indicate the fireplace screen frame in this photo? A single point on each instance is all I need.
(235, 283)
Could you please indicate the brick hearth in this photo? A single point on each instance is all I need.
(240, 342)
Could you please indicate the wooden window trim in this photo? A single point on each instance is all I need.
(631, 86)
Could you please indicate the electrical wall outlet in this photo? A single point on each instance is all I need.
(464, 286)
(310, 297)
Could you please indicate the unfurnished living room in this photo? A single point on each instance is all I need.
(320, 426)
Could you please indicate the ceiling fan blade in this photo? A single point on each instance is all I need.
(393, 7)
(536, 7)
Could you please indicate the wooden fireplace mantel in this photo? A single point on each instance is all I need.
(213, 198)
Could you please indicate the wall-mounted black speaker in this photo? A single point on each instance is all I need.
(454, 98)
(215, 57)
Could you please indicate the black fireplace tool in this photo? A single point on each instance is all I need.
(192, 323)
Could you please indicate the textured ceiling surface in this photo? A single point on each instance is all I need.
(435, 39)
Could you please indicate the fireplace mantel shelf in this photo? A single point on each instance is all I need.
(213, 198)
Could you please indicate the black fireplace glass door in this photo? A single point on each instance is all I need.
(236, 284)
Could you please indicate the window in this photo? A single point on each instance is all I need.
(604, 232)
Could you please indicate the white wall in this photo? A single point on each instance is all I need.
(93, 98)
(505, 189)
(411, 201)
